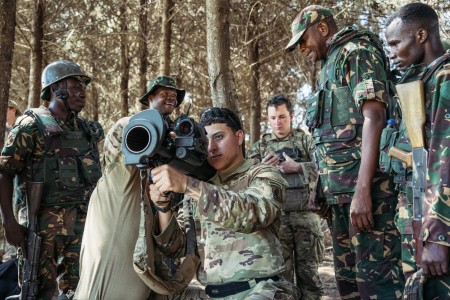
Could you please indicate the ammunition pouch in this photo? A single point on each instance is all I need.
(296, 192)
(387, 141)
(392, 137)
(296, 199)
(333, 165)
(314, 110)
(336, 117)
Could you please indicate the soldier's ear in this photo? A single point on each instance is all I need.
(421, 35)
(323, 28)
(240, 136)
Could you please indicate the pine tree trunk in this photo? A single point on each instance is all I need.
(255, 97)
(37, 31)
(221, 79)
(166, 36)
(143, 51)
(7, 36)
(124, 60)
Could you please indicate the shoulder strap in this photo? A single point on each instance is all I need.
(45, 122)
(440, 61)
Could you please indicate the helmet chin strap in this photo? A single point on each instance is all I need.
(62, 94)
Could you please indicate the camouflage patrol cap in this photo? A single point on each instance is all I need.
(164, 81)
(308, 16)
(13, 104)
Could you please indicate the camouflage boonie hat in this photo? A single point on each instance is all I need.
(13, 104)
(164, 81)
(308, 16)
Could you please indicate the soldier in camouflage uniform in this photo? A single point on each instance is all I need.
(107, 270)
(6, 250)
(55, 146)
(300, 232)
(239, 211)
(346, 115)
(412, 35)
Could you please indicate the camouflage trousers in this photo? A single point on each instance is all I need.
(303, 250)
(59, 262)
(433, 287)
(367, 265)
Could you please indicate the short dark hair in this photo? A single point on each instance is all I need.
(215, 115)
(280, 100)
(416, 15)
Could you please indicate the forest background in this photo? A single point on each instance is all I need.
(223, 52)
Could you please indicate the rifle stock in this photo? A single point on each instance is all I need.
(412, 101)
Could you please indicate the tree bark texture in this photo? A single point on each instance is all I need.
(166, 37)
(93, 57)
(36, 56)
(7, 36)
(255, 97)
(143, 51)
(124, 59)
(221, 79)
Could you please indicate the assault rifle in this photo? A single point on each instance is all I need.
(412, 101)
(30, 281)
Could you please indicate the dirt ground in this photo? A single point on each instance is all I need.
(326, 271)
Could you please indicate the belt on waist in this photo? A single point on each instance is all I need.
(228, 289)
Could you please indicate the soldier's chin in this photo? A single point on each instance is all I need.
(77, 108)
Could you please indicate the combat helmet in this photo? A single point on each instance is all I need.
(57, 71)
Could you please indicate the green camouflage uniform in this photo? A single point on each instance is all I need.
(300, 232)
(6, 250)
(367, 264)
(239, 216)
(435, 227)
(68, 164)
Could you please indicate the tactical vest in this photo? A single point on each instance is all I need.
(334, 118)
(70, 165)
(297, 189)
(331, 110)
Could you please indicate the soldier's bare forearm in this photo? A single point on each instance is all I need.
(6, 187)
(374, 120)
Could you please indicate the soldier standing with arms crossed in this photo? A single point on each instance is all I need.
(57, 147)
(300, 232)
(415, 47)
(346, 116)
